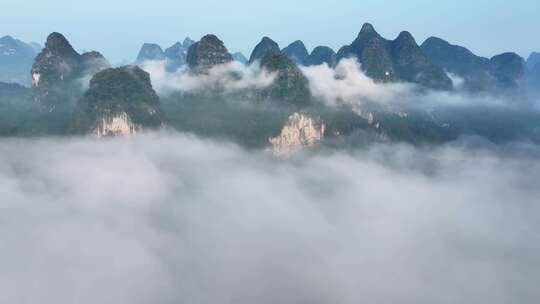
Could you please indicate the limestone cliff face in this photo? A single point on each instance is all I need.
(298, 133)
(320, 55)
(117, 125)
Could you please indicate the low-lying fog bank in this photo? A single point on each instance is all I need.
(169, 218)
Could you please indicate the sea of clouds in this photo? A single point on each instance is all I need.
(345, 83)
(171, 218)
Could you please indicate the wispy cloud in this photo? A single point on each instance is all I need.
(229, 77)
(346, 83)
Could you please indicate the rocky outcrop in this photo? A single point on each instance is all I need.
(299, 132)
(290, 84)
(56, 70)
(266, 45)
(321, 55)
(207, 53)
(120, 101)
(297, 52)
(398, 60)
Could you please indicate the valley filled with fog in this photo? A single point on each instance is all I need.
(170, 217)
(386, 171)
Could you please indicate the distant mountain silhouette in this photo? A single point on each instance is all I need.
(508, 69)
(175, 55)
(320, 55)
(505, 71)
(238, 56)
(262, 48)
(16, 58)
(150, 51)
(397, 60)
(297, 52)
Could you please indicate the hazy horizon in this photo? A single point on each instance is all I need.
(118, 29)
(389, 173)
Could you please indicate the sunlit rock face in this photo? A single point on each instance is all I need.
(118, 125)
(35, 79)
(298, 133)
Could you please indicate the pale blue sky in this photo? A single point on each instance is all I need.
(117, 28)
